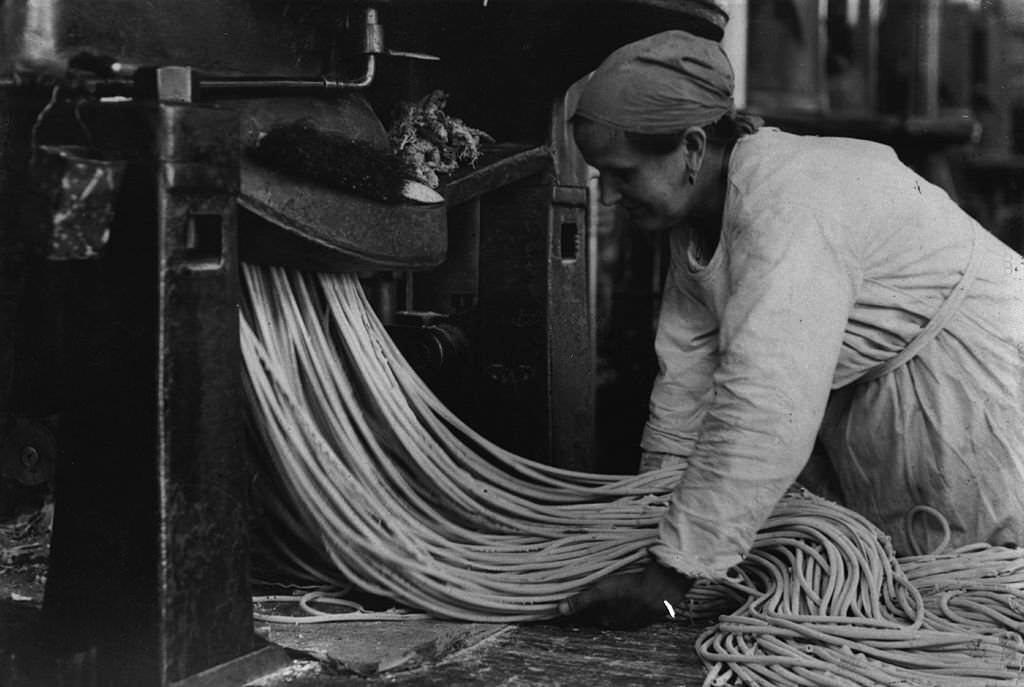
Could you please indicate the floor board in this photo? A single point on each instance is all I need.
(547, 655)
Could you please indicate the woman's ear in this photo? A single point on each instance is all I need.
(695, 143)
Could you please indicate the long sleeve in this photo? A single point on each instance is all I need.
(686, 345)
(787, 288)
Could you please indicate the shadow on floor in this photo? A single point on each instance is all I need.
(537, 655)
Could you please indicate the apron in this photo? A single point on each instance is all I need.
(926, 444)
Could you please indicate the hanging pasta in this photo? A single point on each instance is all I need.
(379, 485)
(396, 493)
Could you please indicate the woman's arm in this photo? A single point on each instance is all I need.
(791, 285)
(686, 345)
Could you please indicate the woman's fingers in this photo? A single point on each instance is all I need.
(614, 602)
(570, 606)
(585, 599)
(629, 600)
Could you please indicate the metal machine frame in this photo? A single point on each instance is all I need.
(149, 571)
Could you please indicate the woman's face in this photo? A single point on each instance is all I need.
(653, 189)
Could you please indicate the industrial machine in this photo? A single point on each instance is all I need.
(130, 199)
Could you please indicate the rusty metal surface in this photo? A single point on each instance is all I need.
(714, 11)
(571, 310)
(303, 224)
(571, 383)
(506, 62)
(16, 363)
(516, 280)
(512, 406)
(311, 227)
(499, 166)
(347, 114)
(206, 607)
(531, 345)
(246, 36)
(28, 452)
(149, 566)
(229, 35)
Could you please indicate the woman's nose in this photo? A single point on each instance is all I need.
(609, 189)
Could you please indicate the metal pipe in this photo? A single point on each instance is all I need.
(734, 42)
(120, 79)
(101, 86)
(223, 83)
(217, 82)
(927, 32)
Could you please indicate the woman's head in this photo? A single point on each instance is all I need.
(647, 118)
(660, 84)
(651, 176)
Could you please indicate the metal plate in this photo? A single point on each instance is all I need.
(307, 225)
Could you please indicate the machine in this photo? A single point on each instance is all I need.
(130, 199)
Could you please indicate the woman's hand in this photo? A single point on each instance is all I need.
(629, 600)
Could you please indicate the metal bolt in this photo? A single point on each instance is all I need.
(29, 456)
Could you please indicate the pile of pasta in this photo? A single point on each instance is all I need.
(824, 601)
(378, 485)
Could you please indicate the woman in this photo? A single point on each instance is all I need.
(818, 288)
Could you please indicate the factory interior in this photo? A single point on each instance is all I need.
(252, 392)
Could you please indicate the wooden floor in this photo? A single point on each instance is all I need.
(539, 655)
(422, 654)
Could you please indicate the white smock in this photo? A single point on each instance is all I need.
(850, 299)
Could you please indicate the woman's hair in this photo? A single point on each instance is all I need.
(726, 130)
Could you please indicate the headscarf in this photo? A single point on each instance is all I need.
(660, 84)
